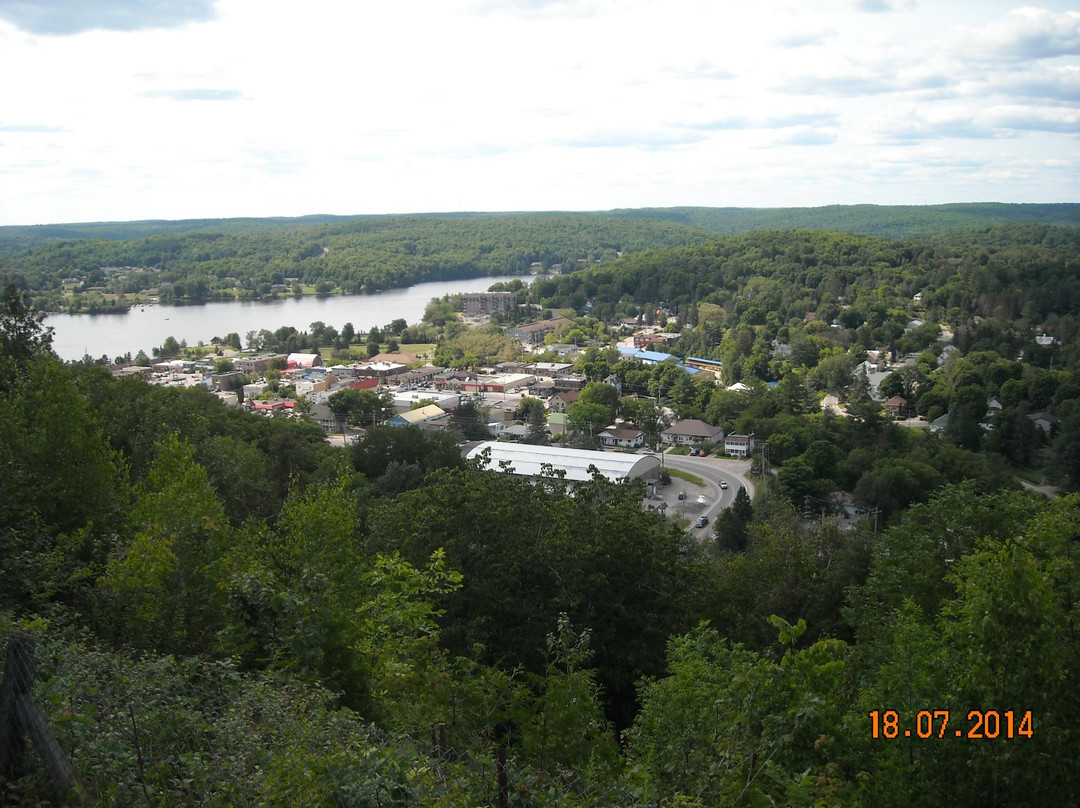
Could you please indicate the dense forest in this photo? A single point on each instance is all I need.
(228, 610)
(198, 260)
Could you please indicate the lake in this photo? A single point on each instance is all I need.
(146, 327)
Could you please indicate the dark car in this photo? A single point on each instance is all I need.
(701, 521)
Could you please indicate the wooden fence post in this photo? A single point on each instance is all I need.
(18, 679)
(20, 717)
(500, 778)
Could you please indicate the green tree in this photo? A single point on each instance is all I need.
(467, 418)
(732, 528)
(160, 587)
(727, 724)
(23, 335)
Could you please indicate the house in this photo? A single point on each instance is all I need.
(534, 333)
(691, 432)
(622, 437)
(563, 348)
(1045, 421)
(831, 404)
(615, 382)
(325, 417)
(421, 415)
(939, 425)
(896, 407)
(557, 423)
(515, 432)
(561, 402)
(741, 445)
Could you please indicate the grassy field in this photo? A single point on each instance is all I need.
(1031, 474)
(693, 479)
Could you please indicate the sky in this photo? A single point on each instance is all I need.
(116, 110)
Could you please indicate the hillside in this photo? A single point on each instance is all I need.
(893, 221)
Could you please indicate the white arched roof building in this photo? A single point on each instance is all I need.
(527, 460)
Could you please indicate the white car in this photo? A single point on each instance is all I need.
(702, 500)
(723, 484)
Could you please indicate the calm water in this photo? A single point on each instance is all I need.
(76, 335)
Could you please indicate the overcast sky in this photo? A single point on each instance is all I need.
(147, 109)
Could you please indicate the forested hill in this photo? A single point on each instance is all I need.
(889, 221)
(893, 221)
(246, 259)
(768, 278)
(70, 267)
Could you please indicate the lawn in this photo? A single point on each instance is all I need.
(693, 479)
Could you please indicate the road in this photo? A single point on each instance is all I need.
(712, 470)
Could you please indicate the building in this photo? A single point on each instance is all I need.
(1045, 421)
(534, 333)
(273, 405)
(713, 366)
(407, 399)
(417, 417)
(251, 365)
(645, 339)
(380, 370)
(230, 380)
(303, 360)
(895, 407)
(479, 303)
(691, 432)
(325, 417)
(561, 402)
(507, 383)
(622, 437)
(576, 464)
(741, 445)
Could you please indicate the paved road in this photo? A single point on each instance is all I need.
(712, 471)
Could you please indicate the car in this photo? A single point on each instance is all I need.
(701, 521)
(723, 484)
(693, 452)
(702, 500)
(682, 495)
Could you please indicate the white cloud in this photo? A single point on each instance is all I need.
(64, 17)
(1025, 34)
(495, 104)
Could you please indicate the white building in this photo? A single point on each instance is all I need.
(530, 461)
(741, 445)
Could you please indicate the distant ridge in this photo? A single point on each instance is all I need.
(890, 221)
